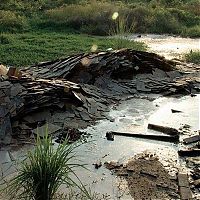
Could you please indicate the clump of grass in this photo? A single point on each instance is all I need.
(121, 29)
(45, 170)
(5, 39)
(193, 56)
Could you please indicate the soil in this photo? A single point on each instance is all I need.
(146, 177)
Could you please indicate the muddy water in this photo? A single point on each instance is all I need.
(168, 46)
(131, 115)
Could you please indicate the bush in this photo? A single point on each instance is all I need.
(185, 18)
(142, 18)
(192, 6)
(193, 56)
(9, 21)
(94, 18)
(164, 22)
(191, 32)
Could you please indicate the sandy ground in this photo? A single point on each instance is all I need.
(168, 46)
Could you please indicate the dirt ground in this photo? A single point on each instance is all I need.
(146, 177)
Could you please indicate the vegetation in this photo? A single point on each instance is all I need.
(193, 56)
(95, 17)
(33, 47)
(33, 31)
(45, 170)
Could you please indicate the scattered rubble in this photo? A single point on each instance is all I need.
(71, 135)
(76, 91)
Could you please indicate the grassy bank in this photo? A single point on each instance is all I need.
(23, 49)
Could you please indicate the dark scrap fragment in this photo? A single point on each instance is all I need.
(163, 129)
(173, 138)
(97, 165)
(175, 111)
(192, 139)
(110, 136)
(189, 152)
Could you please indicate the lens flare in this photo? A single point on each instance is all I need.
(115, 15)
(94, 48)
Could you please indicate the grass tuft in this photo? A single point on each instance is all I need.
(45, 170)
(193, 56)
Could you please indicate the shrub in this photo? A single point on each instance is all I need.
(142, 18)
(192, 6)
(193, 56)
(9, 21)
(191, 32)
(164, 22)
(93, 18)
(186, 18)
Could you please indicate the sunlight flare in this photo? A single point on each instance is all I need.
(115, 15)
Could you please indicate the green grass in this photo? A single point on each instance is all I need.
(193, 56)
(33, 47)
